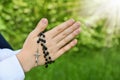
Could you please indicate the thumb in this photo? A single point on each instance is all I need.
(41, 26)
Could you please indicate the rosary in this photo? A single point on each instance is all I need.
(41, 41)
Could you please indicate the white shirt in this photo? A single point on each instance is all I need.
(10, 68)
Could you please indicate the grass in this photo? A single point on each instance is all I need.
(84, 64)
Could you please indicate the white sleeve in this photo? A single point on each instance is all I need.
(10, 68)
(5, 53)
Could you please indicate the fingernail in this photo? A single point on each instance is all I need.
(75, 41)
(77, 31)
(44, 21)
(78, 24)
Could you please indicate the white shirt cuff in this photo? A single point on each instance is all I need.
(10, 69)
(5, 53)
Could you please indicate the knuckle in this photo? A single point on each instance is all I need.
(65, 40)
(63, 34)
(61, 52)
(64, 49)
(67, 48)
(77, 24)
(73, 34)
(59, 29)
(66, 32)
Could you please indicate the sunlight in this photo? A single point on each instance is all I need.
(96, 10)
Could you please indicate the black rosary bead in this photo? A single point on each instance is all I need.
(44, 52)
(46, 66)
(40, 34)
(44, 47)
(38, 41)
(46, 59)
(43, 36)
(49, 57)
(44, 56)
(41, 44)
(47, 53)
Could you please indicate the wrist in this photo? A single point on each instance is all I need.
(26, 60)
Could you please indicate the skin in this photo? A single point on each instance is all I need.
(58, 40)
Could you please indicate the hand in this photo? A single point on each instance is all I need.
(58, 40)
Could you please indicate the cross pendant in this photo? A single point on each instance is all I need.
(37, 55)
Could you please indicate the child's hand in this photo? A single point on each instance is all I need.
(58, 40)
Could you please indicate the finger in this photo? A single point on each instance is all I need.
(67, 32)
(41, 26)
(65, 48)
(68, 38)
(61, 27)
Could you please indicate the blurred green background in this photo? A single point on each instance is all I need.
(94, 57)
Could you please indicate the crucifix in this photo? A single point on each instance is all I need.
(37, 55)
